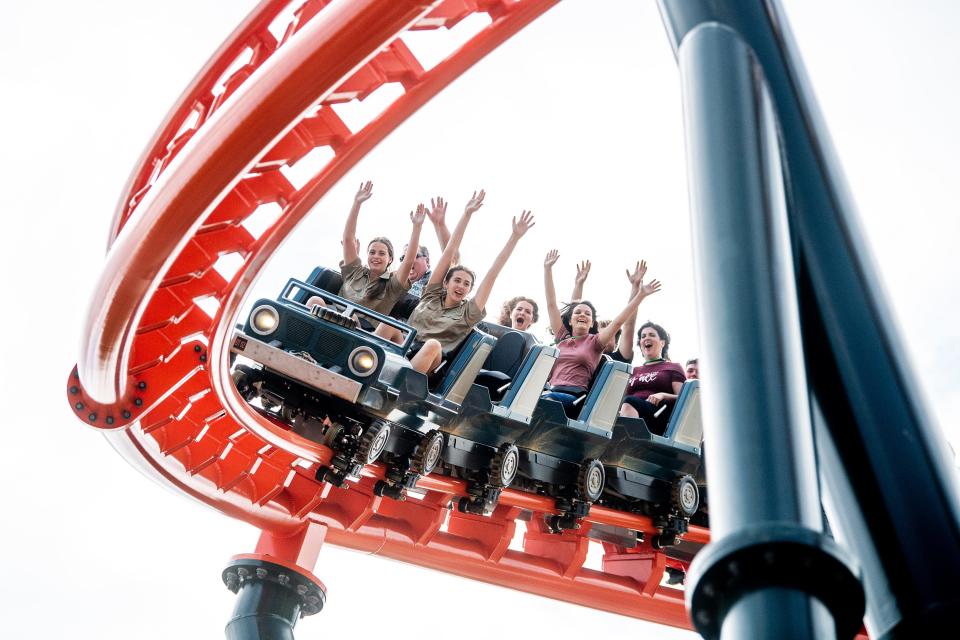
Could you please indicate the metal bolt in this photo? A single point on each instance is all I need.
(231, 577)
(313, 600)
(109, 419)
(203, 358)
(74, 389)
(92, 417)
(138, 401)
(126, 414)
(283, 579)
(261, 573)
(243, 572)
(302, 589)
(197, 348)
(703, 617)
(141, 385)
(79, 406)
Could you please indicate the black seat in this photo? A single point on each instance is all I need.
(503, 363)
(321, 278)
(404, 307)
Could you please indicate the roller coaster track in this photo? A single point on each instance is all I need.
(153, 374)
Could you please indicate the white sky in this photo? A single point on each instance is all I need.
(578, 119)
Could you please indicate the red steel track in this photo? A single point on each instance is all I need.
(153, 374)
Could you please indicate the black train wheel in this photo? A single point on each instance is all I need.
(685, 496)
(591, 480)
(373, 441)
(503, 468)
(427, 455)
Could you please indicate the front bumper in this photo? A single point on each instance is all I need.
(295, 368)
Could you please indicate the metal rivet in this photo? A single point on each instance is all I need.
(708, 590)
(261, 573)
(109, 420)
(141, 385)
(138, 401)
(302, 589)
(79, 406)
(126, 414)
(313, 600)
(74, 389)
(703, 617)
(92, 417)
(243, 572)
(203, 358)
(283, 579)
(197, 348)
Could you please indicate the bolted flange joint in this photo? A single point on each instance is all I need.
(311, 594)
(774, 556)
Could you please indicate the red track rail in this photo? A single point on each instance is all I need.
(153, 372)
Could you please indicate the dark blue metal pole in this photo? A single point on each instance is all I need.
(891, 491)
(771, 572)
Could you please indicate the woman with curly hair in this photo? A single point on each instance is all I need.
(520, 313)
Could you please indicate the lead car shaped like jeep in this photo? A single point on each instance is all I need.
(335, 383)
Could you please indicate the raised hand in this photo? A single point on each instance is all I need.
(552, 256)
(650, 288)
(475, 202)
(364, 192)
(583, 270)
(523, 225)
(438, 211)
(417, 217)
(636, 278)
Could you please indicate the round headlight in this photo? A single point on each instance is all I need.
(362, 361)
(264, 320)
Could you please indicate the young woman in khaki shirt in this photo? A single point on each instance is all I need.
(445, 316)
(373, 286)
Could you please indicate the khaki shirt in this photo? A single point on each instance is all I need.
(379, 295)
(448, 326)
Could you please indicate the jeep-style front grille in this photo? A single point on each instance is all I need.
(299, 333)
(330, 344)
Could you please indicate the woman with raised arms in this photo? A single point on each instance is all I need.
(445, 316)
(580, 341)
(373, 286)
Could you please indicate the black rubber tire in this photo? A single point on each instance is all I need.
(591, 480)
(685, 496)
(504, 467)
(428, 453)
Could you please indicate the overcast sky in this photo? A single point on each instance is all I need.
(578, 119)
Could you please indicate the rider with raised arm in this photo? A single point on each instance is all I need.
(580, 341)
(445, 316)
(421, 271)
(373, 286)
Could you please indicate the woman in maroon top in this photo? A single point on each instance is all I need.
(579, 339)
(654, 385)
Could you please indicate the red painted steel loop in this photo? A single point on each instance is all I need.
(155, 359)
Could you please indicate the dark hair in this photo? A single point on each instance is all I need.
(603, 324)
(508, 306)
(660, 332)
(567, 312)
(386, 242)
(692, 361)
(452, 270)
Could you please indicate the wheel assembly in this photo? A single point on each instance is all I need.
(503, 469)
(427, 455)
(685, 496)
(591, 480)
(373, 441)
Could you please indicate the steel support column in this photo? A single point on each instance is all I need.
(770, 554)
